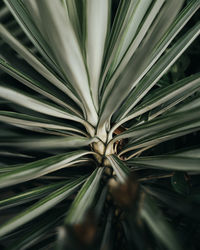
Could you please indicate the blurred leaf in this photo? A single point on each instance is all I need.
(158, 224)
(39, 168)
(84, 198)
(41, 206)
(119, 167)
(180, 183)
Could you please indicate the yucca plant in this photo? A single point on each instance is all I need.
(97, 139)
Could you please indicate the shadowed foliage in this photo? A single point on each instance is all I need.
(99, 124)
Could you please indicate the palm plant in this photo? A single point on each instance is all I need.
(90, 124)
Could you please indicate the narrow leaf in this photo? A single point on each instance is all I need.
(119, 167)
(171, 94)
(50, 142)
(60, 33)
(28, 196)
(34, 104)
(35, 62)
(24, 19)
(158, 224)
(97, 18)
(84, 198)
(39, 168)
(41, 206)
(187, 161)
(36, 123)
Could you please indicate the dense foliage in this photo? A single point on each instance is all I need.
(99, 124)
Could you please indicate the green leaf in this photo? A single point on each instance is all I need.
(36, 123)
(24, 19)
(158, 225)
(179, 183)
(159, 69)
(35, 104)
(36, 63)
(79, 77)
(39, 85)
(42, 167)
(41, 206)
(50, 142)
(166, 135)
(28, 196)
(125, 82)
(188, 104)
(14, 155)
(185, 15)
(126, 38)
(97, 19)
(107, 239)
(84, 198)
(62, 238)
(185, 205)
(187, 161)
(119, 167)
(72, 10)
(167, 96)
(124, 31)
(4, 12)
(160, 129)
(61, 36)
(36, 231)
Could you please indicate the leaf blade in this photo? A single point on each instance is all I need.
(40, 207)
(84, 198)
(39, 168)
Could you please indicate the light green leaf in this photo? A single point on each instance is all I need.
(172, 121)
(50, 142)
(72, 11)
(42, 167)
(84, 198)
(160, 68)
(14, 155)
(128, 81)
(36, 63)
(124, 31)
(36, 105)
(192, 103)
(170, 95)
(185, 161)
(169, 128)
(39, 85)
(23, 17)
(144, 28)
(157, 139)
(33, 11)
(97, 19)
(119, 167)
(61, 36)
(189, 153)
(36, 123)
(4, 12)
